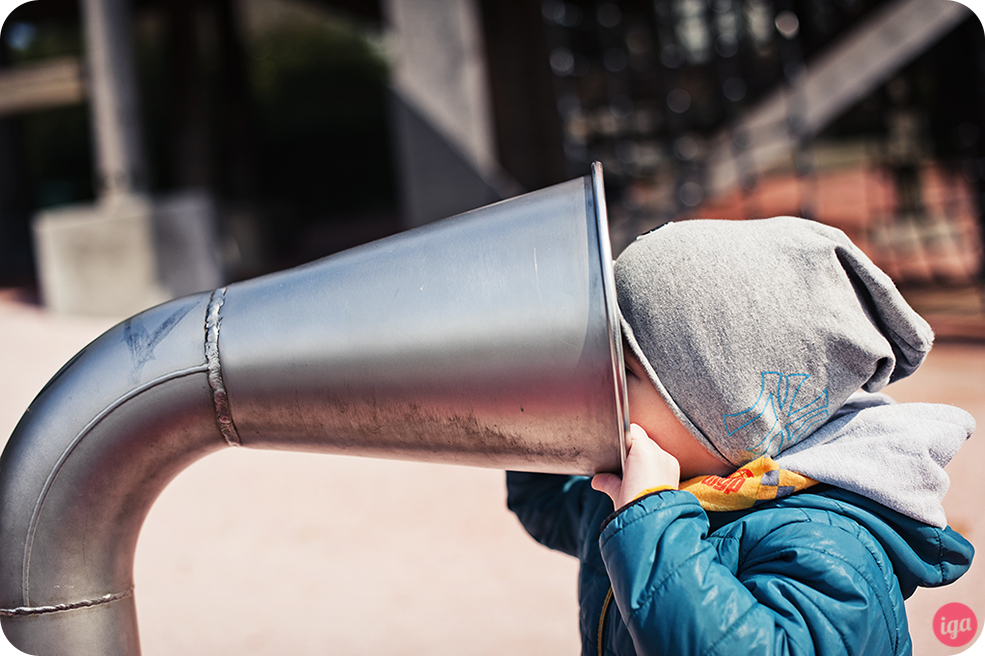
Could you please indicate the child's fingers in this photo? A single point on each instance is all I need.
(636, 432)
(608, 483)
(647, 466)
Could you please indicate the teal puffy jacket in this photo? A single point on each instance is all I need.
(822, 572)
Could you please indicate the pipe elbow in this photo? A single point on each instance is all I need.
(84, 465)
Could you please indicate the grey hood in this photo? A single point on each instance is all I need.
(756, 332)
(760, 335)
(892, 453)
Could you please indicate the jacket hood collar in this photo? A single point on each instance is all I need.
(893, 454)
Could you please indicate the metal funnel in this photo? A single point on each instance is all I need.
(487, 339)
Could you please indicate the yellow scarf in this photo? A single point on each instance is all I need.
(757, 482)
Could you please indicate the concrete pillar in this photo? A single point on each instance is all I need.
(441, 109)
(128, 251)
(120, 164)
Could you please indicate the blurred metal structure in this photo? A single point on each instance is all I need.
(716, 108)
(487, 339)
(865, 58)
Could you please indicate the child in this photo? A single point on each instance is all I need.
(771, 502)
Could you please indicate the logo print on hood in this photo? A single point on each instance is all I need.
(776, 421)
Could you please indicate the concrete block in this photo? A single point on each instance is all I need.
(98, 259)
(186, 243)
(122, 256)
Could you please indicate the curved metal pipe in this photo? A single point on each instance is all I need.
(488, 339)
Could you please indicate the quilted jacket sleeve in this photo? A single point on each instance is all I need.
(806, 586)
(552, 508)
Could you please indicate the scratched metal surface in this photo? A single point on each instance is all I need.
(365, 556)
(486, 340)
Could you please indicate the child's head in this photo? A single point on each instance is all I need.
(756, 332)
(649, 409)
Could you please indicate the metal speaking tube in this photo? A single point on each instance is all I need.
(488, 339)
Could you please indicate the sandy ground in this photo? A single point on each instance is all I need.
(282, 553)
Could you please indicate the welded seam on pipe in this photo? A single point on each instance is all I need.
(36, 515)
(223, 415)
(58, 608)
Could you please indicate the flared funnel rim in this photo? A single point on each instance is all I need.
(611, 310)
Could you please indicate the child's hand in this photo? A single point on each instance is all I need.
(647, 466)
